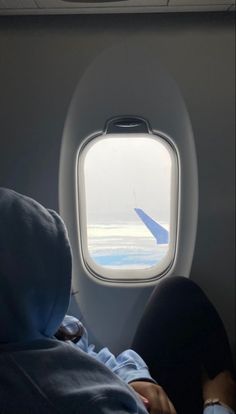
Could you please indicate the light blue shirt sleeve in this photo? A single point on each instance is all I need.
(129, 366)
(217, 409)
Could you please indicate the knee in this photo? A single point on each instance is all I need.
(178, 284)
(177, 289)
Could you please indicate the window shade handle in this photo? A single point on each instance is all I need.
(127, 125)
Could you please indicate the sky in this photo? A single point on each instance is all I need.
(122, 173)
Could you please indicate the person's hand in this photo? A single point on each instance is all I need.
(153, 397)
(222, 387)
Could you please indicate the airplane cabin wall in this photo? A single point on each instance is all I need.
(41, 60)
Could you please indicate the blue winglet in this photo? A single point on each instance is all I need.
(161, 235)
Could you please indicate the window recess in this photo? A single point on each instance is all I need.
(127, 202)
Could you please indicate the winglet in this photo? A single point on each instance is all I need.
(160, 233)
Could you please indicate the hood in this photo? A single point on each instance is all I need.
(35, 269)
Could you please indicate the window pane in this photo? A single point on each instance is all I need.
(128, 186)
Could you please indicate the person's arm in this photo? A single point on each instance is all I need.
(219, 394)
(128, 365)
(130, 368)
(154, 397)
(217, 409)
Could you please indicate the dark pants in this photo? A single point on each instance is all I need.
(179, 334)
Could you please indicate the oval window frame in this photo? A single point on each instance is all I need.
(135, 126)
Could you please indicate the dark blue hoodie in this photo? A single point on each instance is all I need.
(39, 374)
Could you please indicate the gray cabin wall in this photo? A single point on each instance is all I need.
(41, 60)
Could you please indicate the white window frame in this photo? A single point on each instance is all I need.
(123, 276)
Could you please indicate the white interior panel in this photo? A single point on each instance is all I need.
(102, 95)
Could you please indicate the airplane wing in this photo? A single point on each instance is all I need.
(160, 233)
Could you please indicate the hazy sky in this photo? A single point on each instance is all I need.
(122, 173)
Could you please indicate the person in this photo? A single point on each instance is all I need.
(47, 368)
(186, 348)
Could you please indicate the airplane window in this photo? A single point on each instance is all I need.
(128, 190)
